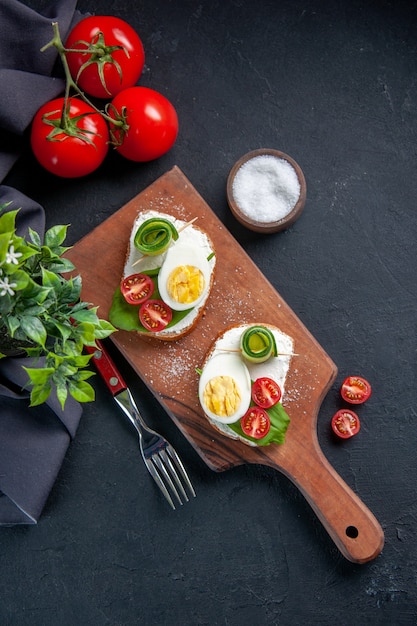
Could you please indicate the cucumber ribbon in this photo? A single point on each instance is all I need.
(154, 236)
(258, 344)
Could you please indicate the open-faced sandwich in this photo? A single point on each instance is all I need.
(242, 383)
(167, 277)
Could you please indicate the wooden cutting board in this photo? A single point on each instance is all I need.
(241, 294)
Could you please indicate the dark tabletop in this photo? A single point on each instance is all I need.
(334, 85)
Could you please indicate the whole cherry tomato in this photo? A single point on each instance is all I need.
(115, 56)
(75, 148)
(152, 123)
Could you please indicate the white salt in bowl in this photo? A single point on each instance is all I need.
(266, 190)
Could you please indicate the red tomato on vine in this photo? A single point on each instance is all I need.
(105, 55)
(70, 143)
(152, 123)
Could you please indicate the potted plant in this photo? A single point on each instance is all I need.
(42, 315)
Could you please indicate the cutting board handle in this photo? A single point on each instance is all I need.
(351, 525)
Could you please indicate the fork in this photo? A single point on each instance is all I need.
(160, 458)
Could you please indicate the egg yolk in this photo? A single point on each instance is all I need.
(222, 396)
(185, 284)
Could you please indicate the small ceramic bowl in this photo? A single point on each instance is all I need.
(294, 200)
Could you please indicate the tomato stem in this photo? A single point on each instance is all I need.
(70, 84)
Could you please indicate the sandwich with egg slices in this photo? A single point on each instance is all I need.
(240, 390)
(167, 277)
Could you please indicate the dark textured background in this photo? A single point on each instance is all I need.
(333, 84)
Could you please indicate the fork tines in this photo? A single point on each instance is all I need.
(169, 474)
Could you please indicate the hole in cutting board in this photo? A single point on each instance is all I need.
(352, 532)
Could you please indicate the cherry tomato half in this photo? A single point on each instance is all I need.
(265, 392)
(155, 315)
(345, 423)
(255, 423)
(73, 154)
(152, 122)
(355, 390)
(107, 69)
(137, 288)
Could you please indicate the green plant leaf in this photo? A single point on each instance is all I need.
(61, 266)
(5, 238)
(65, 370)
(81, 391)
(55, 236)
(82, 360)
(39, 376)
(73, 348)
(5, 307)
(34, 310)
(65, 330)
(35, 238)
(34, 352)
(39, 394)
(86, 315)
(13, 324)
(70, 293)
(35, 293)
(33, 329)
(62, 394)
(104, 329)
(20, 278)
(47, 256)
(8, 221)
(51, 280)
(86, 333)
(85, 374)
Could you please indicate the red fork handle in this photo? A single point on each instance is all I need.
(106, 368)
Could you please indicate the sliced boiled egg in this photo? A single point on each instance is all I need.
(184, 277)
(225, 388)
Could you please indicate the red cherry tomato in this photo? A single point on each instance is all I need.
(355, 390)
(155, 315)
(265, 392)
(137, 288)
(70, 154)
(152, 122)
(116, 59)
(345, 423)
(256, 422)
